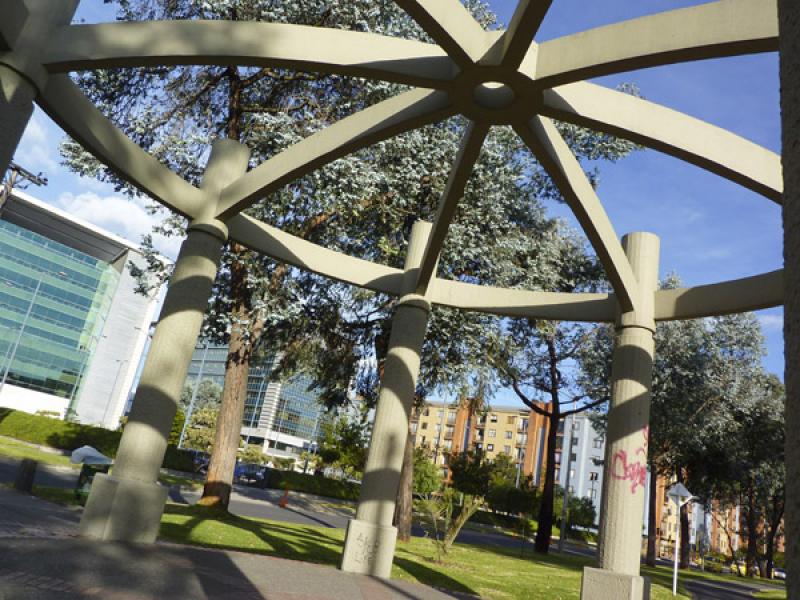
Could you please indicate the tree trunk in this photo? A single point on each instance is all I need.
(219, 480)
(545, 530)
(652, 537)
(752, 533)
(403, 511)
(470, 507)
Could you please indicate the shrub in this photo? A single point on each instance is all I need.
(312, 484)
(65, 435)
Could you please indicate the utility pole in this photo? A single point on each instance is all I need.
(18, 177)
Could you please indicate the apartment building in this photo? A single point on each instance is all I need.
(520, 433)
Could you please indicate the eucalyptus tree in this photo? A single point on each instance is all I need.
(363, 204)
(699, 366)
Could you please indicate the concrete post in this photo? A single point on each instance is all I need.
(24, 27)
(789, 17)
(622, 508)
(128, 504)
(371, 538)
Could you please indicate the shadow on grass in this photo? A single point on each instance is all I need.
(218, 529)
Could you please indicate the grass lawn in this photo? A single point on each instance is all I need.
(490, 572)
(772, 594)
(16, 449)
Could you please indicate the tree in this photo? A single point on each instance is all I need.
(363, 204)
(201, 429)
(427, 476)
(698, 367)
(343, 444)
(207, 395)
(531, 359)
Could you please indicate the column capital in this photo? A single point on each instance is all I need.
(415, 301)
(642, 250)
(213, 227)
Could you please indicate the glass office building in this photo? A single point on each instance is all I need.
(284, 414)
(53, 304)
(72, 325)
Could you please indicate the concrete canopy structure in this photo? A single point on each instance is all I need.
(491, 78)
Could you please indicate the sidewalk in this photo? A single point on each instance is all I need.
(44, 559)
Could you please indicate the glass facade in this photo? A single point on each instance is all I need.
(298, 409)
(53, 304)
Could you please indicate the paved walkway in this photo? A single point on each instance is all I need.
(725, 590)
(42, 559)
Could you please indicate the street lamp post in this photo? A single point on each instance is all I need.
(680, 496)
(187, 418)
(565, 503)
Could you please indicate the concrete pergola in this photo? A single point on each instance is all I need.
(491, 78)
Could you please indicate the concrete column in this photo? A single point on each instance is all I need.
(128, 504)
(25, 26)
(625, 476)
(789, 16)
(370, 540)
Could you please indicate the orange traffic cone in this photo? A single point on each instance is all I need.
(284, 501)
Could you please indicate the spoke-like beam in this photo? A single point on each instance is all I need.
(517, 41)
(379, 122)
(728, 297)
(555, 156)
(467, 155)
(716, 29)
(12, 19)
(66, 104)
(155, 43)
(300, 253)
(591, 308)
(451, 26)
(677, 134)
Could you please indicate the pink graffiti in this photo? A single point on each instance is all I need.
(635, 472)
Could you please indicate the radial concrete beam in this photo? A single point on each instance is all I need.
(552, 152)
(379, 122)
(155, 43)
(467, 156)
(516, 47)
(677, 134)
(23, 26)
(451, 26)
(66, 104)
(711, 30)
(285, 247)
(728, 297)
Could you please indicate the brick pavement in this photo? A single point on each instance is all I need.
(43, 559)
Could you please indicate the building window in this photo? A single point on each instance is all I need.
(576, 426)
(509, 435)
(438, 428)
(440, 414)
(510, 420)
(507, 450)
(414, 427)
(422, 441)
(490, 447)
(493, 418)
(598, 443)
(426, 412)
(492, 433)
(593, 476)
(424, 426)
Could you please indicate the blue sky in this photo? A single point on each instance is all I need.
(711, 229)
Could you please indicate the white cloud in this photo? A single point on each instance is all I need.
(127, 218)
(771, 322)
(37, 151)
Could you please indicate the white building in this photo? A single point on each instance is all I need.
(72, 327)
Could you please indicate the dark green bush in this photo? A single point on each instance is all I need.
(68, 436)
(312, 484)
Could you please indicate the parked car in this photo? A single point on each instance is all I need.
(778, 573)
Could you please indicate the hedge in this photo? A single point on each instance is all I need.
(64, 435)
(312, 484)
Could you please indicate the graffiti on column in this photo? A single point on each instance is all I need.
(633, 469)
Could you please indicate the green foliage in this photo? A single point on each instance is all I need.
(177, 426)
(312, 484)
(470, 473)
(427, 476)
(201, 429)
(343, 444)
(179, 460)
(507, 498)
(252, 454)
(208, 395)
